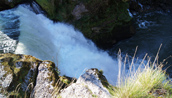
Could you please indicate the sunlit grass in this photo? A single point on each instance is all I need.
(143, 83)
(148, 81)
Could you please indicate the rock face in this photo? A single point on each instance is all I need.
(89, 85)
(17, 72)
(45, 81)
(26, 76)
(103, 21)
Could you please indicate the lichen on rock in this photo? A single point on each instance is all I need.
(45, 81)
(22, 71)
(5, 79)
(25, 75)
(88, 85)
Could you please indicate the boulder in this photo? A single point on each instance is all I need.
(26, 76)
(89, 85)
(18, 74)
(46, 80)
(21, 75)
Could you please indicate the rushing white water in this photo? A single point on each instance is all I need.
(62, 44)
(131, 15)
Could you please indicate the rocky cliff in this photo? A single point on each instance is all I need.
(103, 21)
(27, 76)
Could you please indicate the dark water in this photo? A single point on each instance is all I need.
(153, 29)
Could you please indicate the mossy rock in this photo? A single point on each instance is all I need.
(98, 20)
(26, 74)
(104, 81)
(67, 81)
(23, 70)
(58, 10)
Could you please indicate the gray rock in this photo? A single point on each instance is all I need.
(88, 85)
(17, 72)
(5, 80)
(78, 10)
(27, 76)
(44, 82)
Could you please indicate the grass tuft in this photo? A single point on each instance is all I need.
(148, 81)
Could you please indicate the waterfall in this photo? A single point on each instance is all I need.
(26, 30)
(61, 43)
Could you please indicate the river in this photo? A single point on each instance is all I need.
(25, 32)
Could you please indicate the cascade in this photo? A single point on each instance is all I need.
(61, 43)
(25, 30)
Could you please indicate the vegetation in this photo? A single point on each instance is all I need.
(145, 83)
(148, 81)
(102, 21)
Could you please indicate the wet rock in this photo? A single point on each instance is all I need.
(91, 84)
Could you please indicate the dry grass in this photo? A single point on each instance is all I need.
(148, 81)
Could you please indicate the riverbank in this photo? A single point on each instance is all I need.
(26, 76)
(36, 35)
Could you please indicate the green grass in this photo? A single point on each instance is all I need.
(148, 81)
